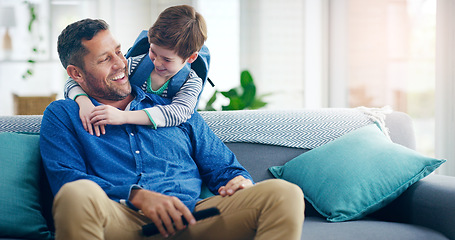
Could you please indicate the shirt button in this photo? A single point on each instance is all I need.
(137, 151)
(132, 134)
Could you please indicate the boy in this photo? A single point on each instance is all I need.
(175, 40)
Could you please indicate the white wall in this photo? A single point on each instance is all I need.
(272, 48)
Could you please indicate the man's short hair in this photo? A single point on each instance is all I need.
(181, 29)
(69, 44)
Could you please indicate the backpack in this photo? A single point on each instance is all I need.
(146, 66)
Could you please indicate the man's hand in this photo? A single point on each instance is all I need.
(164, 211)
(234, 185)
(85, 109)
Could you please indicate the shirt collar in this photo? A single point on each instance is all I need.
(140, 96)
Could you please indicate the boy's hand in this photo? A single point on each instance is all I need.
(234, 185)
(106, 114)
(85, 109)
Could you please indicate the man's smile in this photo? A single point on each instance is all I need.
(119, 76)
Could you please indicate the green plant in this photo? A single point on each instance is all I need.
(33, 18)
(242, 97)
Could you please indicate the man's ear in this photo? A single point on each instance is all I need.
(75, 73)
(193, 57)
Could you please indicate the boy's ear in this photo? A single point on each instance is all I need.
(75, 73)
(193, 57)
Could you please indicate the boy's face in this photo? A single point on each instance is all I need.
(167, 62)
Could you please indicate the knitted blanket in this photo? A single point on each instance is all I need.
(304, 128)
(20, 123)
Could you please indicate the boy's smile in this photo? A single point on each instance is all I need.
(167, 62)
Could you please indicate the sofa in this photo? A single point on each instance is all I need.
(421, 207)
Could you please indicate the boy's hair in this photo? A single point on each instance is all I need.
(179, 28)
(70, 49)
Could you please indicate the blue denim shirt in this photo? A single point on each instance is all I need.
(172, 161)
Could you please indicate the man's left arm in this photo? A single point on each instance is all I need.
(218, 166)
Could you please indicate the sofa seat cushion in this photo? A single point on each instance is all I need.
(316, 228)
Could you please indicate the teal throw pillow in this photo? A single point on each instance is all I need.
(20, 169)
(356, 174)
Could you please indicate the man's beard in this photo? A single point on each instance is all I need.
(112, 95)
(107, 92)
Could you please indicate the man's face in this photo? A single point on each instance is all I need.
(167, 62)
(105, 72)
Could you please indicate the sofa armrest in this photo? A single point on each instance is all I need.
(429, 203)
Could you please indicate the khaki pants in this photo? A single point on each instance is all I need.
(273, 209)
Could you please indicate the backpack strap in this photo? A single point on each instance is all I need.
(141, 45)
(142, 71)
(202, 64)
(178, 80)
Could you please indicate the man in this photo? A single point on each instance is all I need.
(108, 187)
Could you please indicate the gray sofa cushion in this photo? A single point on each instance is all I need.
(265, 156)
(316, 228)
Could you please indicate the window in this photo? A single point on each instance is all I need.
(390, 60)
